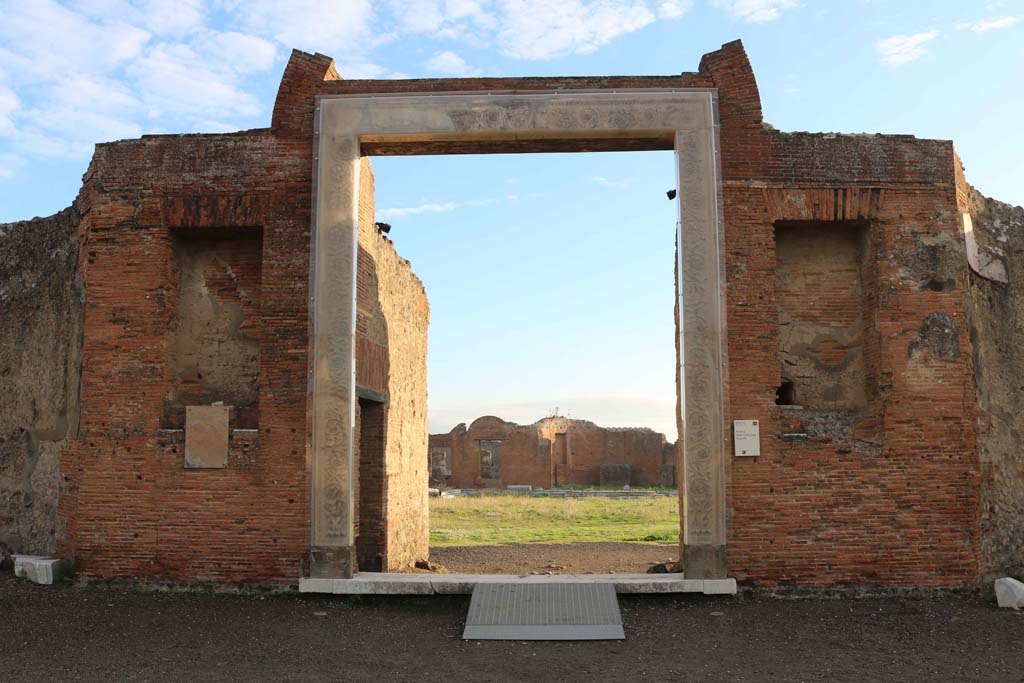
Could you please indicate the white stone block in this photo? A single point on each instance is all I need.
(20, 561)
(1010, 593)
(41, 569)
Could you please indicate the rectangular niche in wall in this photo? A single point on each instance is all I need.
(214, 336)
(490, 458)
(820, 296)
(440, 463)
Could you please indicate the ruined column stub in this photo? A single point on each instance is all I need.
(687, 116)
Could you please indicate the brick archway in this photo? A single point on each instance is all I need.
(348, 127)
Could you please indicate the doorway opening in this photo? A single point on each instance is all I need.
(349, 127)
(551, 356)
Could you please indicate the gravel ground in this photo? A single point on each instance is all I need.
(554, 558)
(98, 633)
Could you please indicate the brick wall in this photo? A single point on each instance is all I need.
(554, 451)
(131, 508)
(891, 497)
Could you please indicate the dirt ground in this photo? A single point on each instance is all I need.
(98, 633)
(554, 558)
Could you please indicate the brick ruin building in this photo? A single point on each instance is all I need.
(851, 293)
(554, 451)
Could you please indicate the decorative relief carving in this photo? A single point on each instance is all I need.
(702, 329)
(334, 315)
(382, 116)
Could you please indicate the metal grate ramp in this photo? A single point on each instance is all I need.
(544, 611)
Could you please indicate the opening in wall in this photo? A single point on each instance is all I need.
(214, 335)
(785, 395)
(371, 497)
(822, 321)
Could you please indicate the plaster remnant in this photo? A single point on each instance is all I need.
(939, 335)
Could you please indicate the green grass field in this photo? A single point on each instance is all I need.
(497, 520)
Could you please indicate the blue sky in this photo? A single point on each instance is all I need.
(550, 277)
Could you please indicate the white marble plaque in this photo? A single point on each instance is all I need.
(747, 438)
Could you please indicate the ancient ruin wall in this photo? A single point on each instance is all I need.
(391, 359)
(997, 338)
(551, 452)
(42, 301)
(132, 508)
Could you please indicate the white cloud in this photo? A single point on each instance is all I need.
(540, 29)
(340, 29)
(449, 64)
(673, 9)
(451, 19)
(422, 208)
(417, 16)
(899, 50)
(986, 25)
(236, 52)
(176, 79)
(9, 103)
(99, 70)
(755, 10)
(172, 16)
(46, 40)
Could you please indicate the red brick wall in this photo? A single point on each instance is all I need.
(131, 508)
(831, 510)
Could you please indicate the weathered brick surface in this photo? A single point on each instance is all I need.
(131, 508)
(41, 310)
(391, 358)
(997, 336)
(826, 511)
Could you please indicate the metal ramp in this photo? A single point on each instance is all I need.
(544, 611)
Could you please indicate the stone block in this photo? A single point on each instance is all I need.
(21, 561)
(206, 437)
(719, 586)
(1010, 593)
(41, 569)
(520, 488)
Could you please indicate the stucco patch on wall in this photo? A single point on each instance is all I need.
(42, 303)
